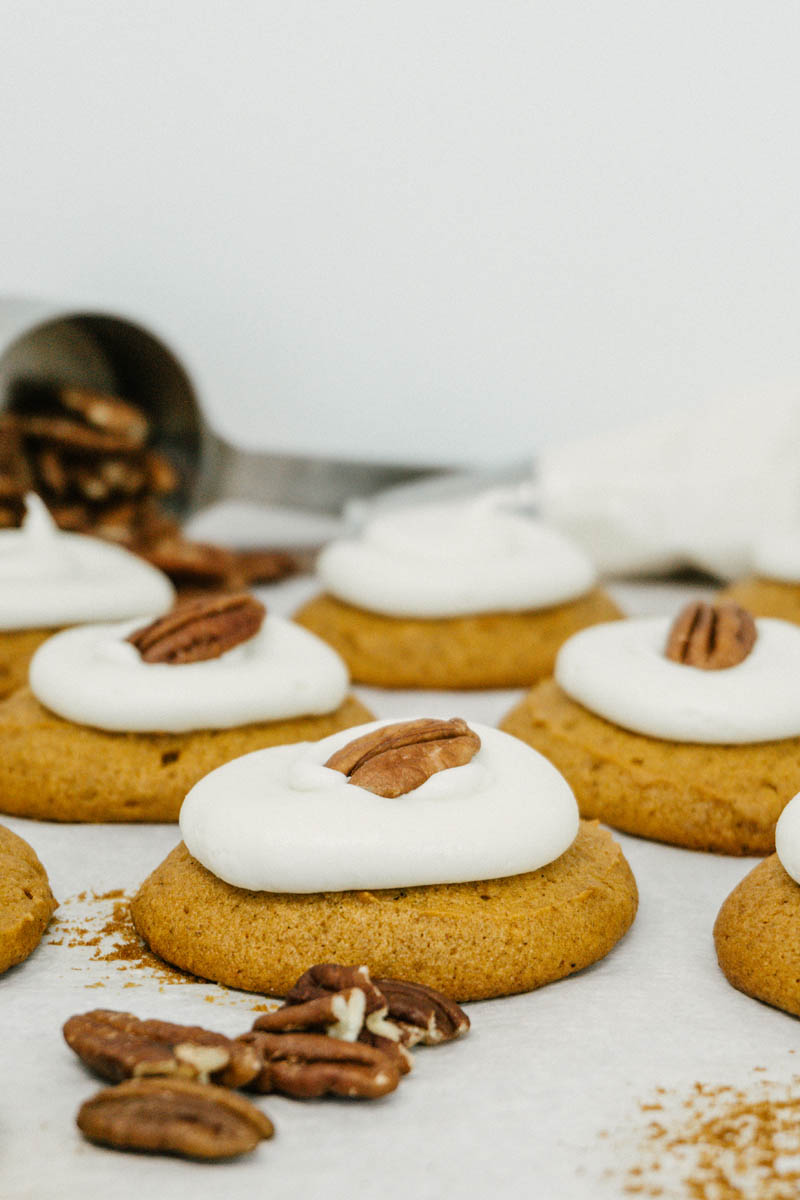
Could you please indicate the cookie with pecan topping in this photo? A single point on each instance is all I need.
(469, 940)
(701, 792)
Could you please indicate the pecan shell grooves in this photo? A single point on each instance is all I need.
(174, 1116)
(711, 636)
(200, 629)
(117, 1045)
(421, 1013)
(396, 759)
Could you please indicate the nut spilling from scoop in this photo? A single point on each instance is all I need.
(711, 636)
(200, 629)
(396, 759)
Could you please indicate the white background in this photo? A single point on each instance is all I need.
(363, 223)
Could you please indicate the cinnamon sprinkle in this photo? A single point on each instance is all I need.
(109, 933)
(720, 1143)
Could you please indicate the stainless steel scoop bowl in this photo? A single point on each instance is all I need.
(46, 343)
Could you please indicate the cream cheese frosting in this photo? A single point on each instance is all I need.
(455, 558)
(777, 556)
(91, 675)
(787, 838)
(619, 671)
(279, 820)
(50, 578)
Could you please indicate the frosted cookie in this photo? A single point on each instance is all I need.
(50, 579)
(456, 595)
(773, 589)
(121, 720)
(26, 902)
(434, 849)
(757, 932)
(688, 734)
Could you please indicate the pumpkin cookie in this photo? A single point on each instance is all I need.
(50, 579)
(125, 720)
(26, 902)
(453, 596)
(756, 932)
(527, 893)
(681, 749)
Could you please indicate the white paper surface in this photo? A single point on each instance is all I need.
(520, 1106)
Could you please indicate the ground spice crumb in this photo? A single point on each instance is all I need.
(111, 936)
(722, 1143)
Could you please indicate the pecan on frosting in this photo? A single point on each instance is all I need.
(200, 629)
(396, 759)
(711, 636)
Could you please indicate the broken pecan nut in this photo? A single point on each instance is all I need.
(117, 1045)
(711, 636)
(421, 1013)
(200, 629)
(174, 1116)
(309, 1065)
(326, 978)
(397, 758)
(399, 1054)
(339, 1014)
(107, 413)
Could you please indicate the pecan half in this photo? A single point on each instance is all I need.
(174, 1116)
(421, 1013)
(107, 413)
(118, 1045)
(711, 636)
(200, 629)
(309, 1065)
(395, 759)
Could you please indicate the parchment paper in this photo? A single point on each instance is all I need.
(541, 1099)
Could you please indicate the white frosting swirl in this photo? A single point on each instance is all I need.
(280, 821)
(619, 671)
(91, 675)
(453, 559)
(777, 556)
(787, 838)
(50, 578)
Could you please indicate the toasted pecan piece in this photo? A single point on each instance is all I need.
(200, 629)
(711, 636)
(398, 758)
(174, 1116)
